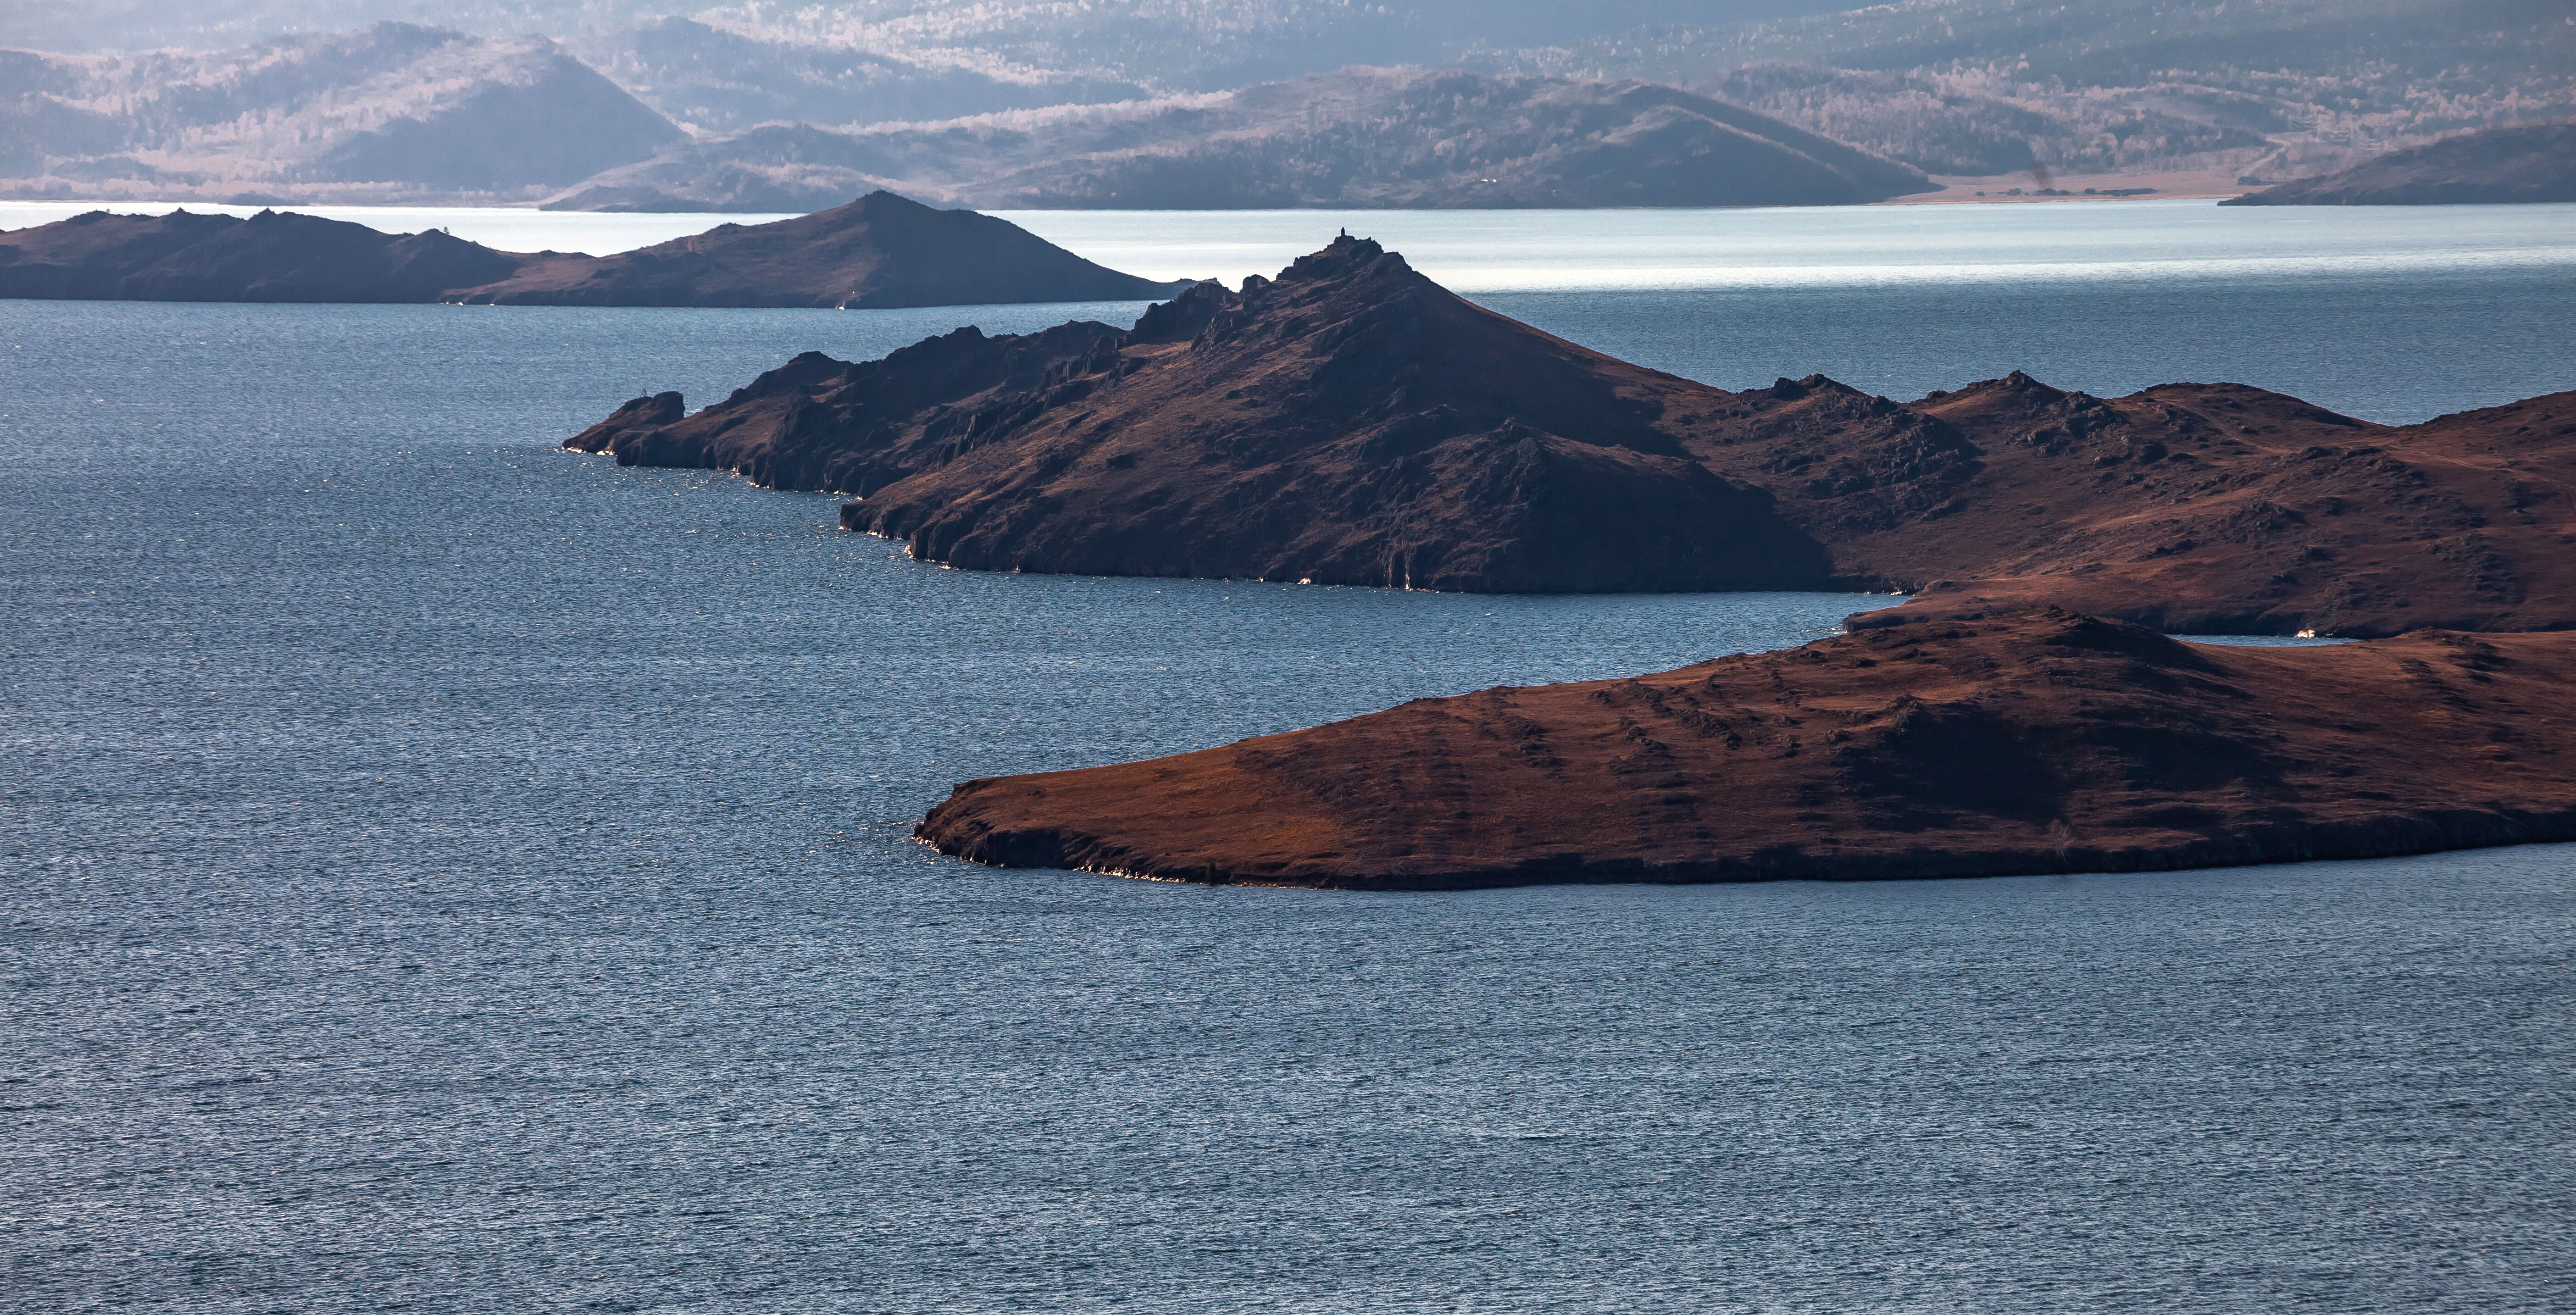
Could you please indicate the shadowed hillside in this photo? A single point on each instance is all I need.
(2535, 162)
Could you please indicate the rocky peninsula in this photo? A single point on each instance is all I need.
(1352, 422)
(1920, 744)
(880, 251)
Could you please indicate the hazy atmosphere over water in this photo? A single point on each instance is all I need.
(2390, 314)
(452, 874)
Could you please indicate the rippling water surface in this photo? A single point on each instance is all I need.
(446, 874)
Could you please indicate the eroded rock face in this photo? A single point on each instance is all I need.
(1919, 745)
(1352, 422)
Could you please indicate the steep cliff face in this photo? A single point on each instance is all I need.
(1352, 422)
(878, 251)
(2033, 740)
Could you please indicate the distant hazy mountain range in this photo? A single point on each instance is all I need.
(1359, 137)
(1160, 45)
(2270, 88)
(387, 113)
(714, 79)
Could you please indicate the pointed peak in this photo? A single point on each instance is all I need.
(1345, 257)
(881, 202)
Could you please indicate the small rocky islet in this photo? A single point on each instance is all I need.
(1351, 422)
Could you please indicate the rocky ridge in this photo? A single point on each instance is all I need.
(1351, 422)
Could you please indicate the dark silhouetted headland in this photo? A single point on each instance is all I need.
(878, 251)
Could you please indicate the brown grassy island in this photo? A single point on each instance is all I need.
(1921, 744)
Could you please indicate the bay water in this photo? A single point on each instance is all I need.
(444, 873)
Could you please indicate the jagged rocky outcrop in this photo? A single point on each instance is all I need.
(1920, 745)
(1352, 422)
(878, 251)
(1349, 422)
(2491, 166)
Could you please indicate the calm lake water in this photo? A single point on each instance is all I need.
(448, 874)
(2391, 313)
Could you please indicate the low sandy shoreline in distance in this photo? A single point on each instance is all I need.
(2198, 183)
